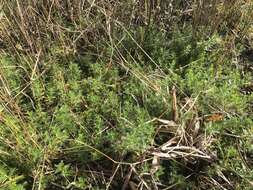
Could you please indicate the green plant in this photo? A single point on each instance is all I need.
(89, 94)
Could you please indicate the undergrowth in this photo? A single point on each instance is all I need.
(152, 97)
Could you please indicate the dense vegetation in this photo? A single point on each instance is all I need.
(147, 94)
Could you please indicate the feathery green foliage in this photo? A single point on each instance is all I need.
(86, 99)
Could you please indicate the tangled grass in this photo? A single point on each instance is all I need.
(126, 94)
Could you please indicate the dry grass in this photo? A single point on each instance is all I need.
(36, 33)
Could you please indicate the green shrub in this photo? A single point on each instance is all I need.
(84, 109)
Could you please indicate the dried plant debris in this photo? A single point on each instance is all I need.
(131, 95)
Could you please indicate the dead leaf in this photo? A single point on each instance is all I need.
(155, 164)
(214, 117)
(168, 123)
